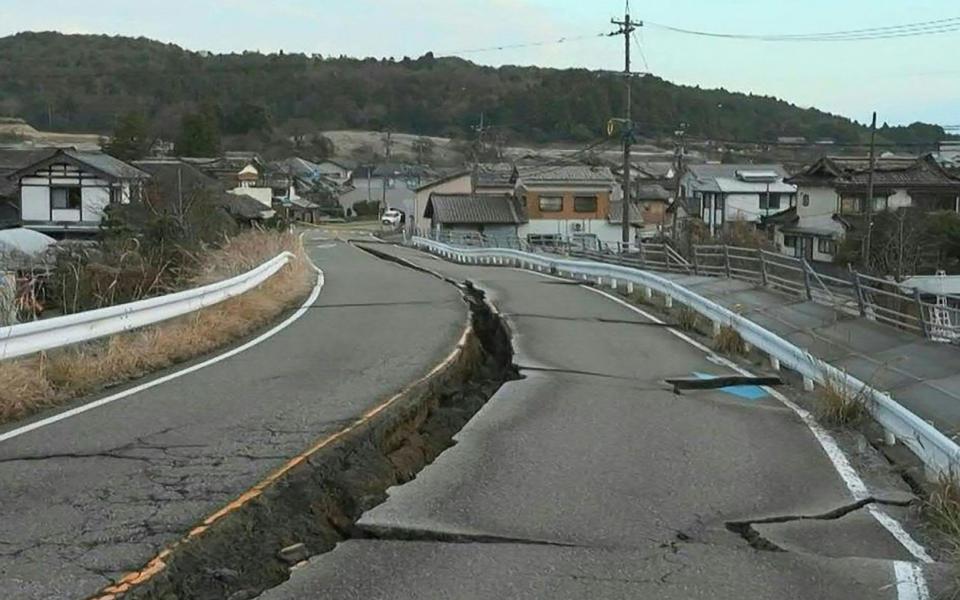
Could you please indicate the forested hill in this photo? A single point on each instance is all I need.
(84, 82)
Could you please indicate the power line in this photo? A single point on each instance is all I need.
(562, 40)
(643, 55)
(920, 28)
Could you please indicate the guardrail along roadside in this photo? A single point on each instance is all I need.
(939, 453)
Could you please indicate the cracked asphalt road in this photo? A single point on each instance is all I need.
(590, 478)
(84, 500)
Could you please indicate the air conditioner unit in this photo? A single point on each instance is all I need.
(577, 227)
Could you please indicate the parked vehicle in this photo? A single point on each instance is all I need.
(392, 217)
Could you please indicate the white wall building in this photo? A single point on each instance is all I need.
(68, 192)
(724, 193)
(832, 196)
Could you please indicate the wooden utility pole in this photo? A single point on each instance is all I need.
(678, 182)
(627, 27)
(478, 149)
(869, 199)
(387, 144)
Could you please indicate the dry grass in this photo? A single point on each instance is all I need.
(728, 341)
(839, 404)
(942, 512)
(639, 298)
(688, 319)
(36, 383)
(942, 509)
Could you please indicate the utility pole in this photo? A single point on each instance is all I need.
(869, 207)
(627, 27)
(387, 143)
(679, 181)
(478, 147)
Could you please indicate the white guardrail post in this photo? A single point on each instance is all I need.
(36, 336)
(938, 452)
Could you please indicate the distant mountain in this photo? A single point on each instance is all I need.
(84, 82)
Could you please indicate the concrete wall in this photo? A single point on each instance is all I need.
(568, 228)
(822, 201)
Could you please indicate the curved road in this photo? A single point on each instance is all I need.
(590, 478)
(88, 498)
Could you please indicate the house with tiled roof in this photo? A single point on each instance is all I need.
(567, 203)
(493, 215)
(65, 192)
(725, 193)
(832, 199)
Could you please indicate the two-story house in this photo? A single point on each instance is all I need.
(65, 193)
(567, 203)
(832, 201)
(722, 193)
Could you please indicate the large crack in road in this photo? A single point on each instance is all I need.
(314, 506)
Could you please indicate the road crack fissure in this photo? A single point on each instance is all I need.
(748, 531)
(412, 534)
(317, 501)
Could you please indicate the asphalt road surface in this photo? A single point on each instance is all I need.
(85, 499)
(590, 478)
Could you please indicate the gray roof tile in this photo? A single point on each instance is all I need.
(466, 209)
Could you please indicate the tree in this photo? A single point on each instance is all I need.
(321, 147)
(423, 146)
(199, 135)
(246, 118)
(131, 138)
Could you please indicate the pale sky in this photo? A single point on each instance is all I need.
(905, 80)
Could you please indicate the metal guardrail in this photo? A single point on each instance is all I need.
(938, 452)
(882, 300)
(36, 336)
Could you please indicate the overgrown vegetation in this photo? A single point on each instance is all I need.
(942, 511)
(687, 319)
(728, 341)
(50, 379)
(840, 404)
(84, 82)
(906, 241)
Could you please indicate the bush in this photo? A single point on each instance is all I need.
(367, 208)
(728, 341)
(839, 404)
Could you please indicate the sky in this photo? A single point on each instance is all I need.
(904, 80)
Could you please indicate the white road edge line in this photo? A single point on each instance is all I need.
(911, 584)
(909, 579)
(13, 433)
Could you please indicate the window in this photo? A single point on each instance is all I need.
(826, 246)
(806, 199)
(585, 204)
(790, 241)
(66, 197)
(855, 205)
(769, 201)
(850, 206)
(551, 203)
(543, 239)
